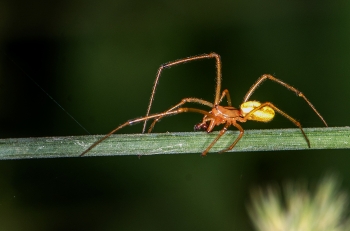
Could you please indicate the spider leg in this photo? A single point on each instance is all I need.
(299, 93)
(183, 101)
(227, 94)
(181, 61)
(241, 132)
(130, 122)
(221, 133)
(246, 117)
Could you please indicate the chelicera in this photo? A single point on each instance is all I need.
(218, 115)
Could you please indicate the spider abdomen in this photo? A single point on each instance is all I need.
(264, 114)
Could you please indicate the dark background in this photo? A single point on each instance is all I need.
(99, 60)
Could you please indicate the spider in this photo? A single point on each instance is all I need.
(226, 115)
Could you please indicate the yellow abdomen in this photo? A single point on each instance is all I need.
(264, 114)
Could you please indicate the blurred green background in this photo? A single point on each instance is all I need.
(99, 60)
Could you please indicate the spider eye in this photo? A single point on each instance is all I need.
(201, 127)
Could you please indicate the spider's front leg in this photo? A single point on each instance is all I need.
(155, 116)
(183, 101)
(182, 61)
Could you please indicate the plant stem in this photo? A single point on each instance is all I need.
(174, 143)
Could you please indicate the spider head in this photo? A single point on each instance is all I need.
(201, 126)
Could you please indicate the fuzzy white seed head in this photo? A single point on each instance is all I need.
(296, 208)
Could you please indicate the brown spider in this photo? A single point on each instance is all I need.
(227, 115)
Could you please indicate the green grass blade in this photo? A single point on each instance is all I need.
(174, 143)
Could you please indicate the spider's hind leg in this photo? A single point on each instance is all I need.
(286, 85)
(294, 121)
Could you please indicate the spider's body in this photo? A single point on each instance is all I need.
(230, 115)
(219, 115)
